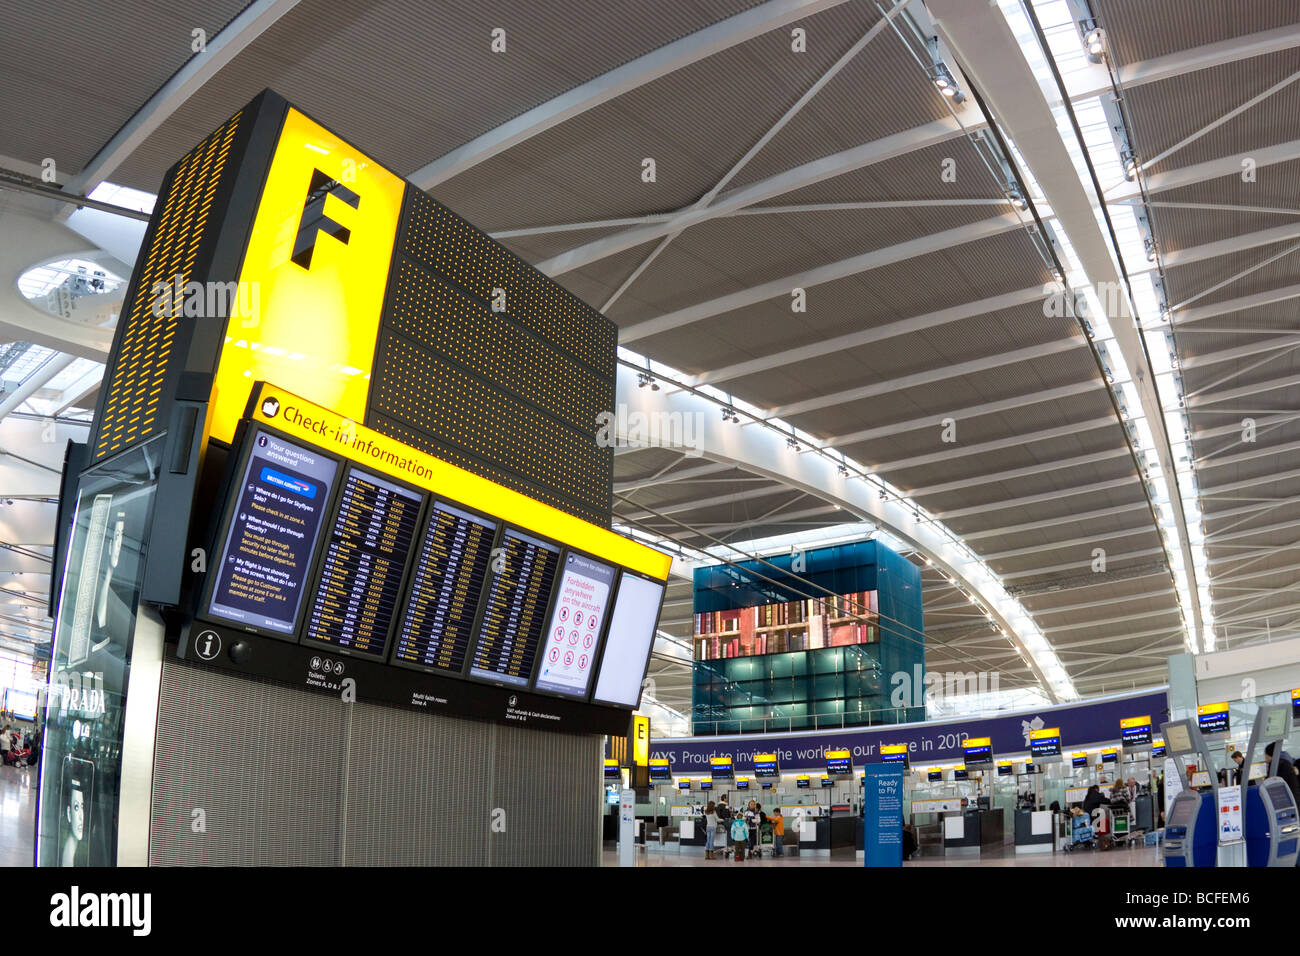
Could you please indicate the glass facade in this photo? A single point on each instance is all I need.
(799, 690)
(81, 754)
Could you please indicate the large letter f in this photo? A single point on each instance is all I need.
(314, 219)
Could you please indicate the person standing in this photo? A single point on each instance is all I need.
(710, 829)
(1285, 770)
(778, 832)
(739, 836)
(5, 744)
(724, 817)
(751, 824)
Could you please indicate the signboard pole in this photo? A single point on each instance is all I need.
(627, 827)
(882, 809)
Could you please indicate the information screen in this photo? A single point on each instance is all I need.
(1157, 751)
(765, 765)
(683, 785)
(515, 613)
(581, 602)
(1005, 770)
(1213, 718)
(1295, 705)
(627, 645)
(839, 762)
(1109, 756)
(1046, 745)
(1079, 761)
(1135, 731)
(445, 589)
(934, 775)
(801, 782)
(978, 751)
(720, 768)
(961, 775)
(742, 784)
(365, 559)
(660, 770)
(896, 753)
(268, 550)
(827, 782)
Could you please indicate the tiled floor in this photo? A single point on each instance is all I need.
(1123, 856)
(17, 816)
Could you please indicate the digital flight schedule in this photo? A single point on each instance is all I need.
(515, 613)
(448, 581)
(361, 580)
(581, 600)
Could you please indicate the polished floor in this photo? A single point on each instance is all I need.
(1120, 856)
(17, 816)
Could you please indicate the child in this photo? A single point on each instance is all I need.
(739, 836)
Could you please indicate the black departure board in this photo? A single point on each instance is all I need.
(361, 579)
(515, 612)
(445, 589)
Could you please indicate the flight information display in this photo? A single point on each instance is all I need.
(627, 646)
(1135, 731)
(1045, 742)
(1213, 718)
(268, 550)
(977, 751)
(361, 580)
(581, 602)
(839, 762)
(765, 765)
(446, 585)
(515, 612)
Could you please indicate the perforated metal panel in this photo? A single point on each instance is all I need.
(486, 362)
(142, 354)
(265, 763)
(291, 777)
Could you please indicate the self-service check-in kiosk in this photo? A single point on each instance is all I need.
(1191, 830)
(1272, 821)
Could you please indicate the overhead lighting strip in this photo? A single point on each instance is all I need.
(1134, 243)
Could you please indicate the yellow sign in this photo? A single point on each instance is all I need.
(611, 764)
(1081, 753)
(1005, 763)
(1047, 733)
(719, 761)
(891, 749)
(1212, 709)
(837, 754)
(763, 758)
(640, 740)
(658, 763)
(972, 742)
(311, 288)
(1129, 722)
(1295, 694)
(299, 418)
(1110, 750)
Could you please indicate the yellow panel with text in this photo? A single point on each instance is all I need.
(313, 279)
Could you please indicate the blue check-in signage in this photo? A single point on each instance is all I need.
(882, 815)
(1080, 724)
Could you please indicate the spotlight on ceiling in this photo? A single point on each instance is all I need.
(1094, 40)
(945, 84)
(1150, 245)
(1018, 199)
(1130, 164)
(645, 378)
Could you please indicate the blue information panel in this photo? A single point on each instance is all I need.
(882, 803)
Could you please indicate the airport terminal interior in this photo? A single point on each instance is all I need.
(587, 433)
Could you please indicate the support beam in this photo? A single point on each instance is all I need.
(630, 76)
(852, 340)
(1041, 468)
(876, 259)
(967, 413)
(711, 468)
(957, 450)
(991, 55)
(928, 377)
(234, 38)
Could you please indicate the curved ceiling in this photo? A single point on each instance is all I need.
(827, 238)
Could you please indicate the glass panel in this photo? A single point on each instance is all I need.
(82, 748)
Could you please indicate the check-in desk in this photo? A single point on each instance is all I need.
(814, 829)
(1035, 831)
(967, 832)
